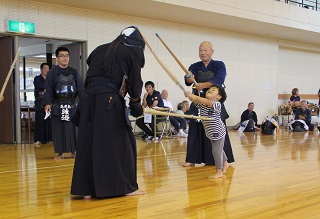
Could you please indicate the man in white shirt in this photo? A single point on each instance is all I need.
(179, 123)
(182, 108)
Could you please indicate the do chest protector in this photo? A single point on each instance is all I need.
(202, 77)
(66, 88)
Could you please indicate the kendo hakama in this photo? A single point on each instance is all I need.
(106, 164)
(199, 148)
(43, 127)
(63, 85)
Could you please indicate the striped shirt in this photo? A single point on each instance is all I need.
(215, 128)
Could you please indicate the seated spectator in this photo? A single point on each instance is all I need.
(185, 102)
(166, 102)
(249, 120)
(295, 95)
(302, 119)
(182, 108)
(178, 123)
(151, 98)
(294, 100)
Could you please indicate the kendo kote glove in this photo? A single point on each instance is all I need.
(189, 75)
(136, 109)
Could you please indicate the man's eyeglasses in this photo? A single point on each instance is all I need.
(64, 56)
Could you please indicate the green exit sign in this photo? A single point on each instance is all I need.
(20, 27)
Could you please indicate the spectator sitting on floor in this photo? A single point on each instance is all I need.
(302, 119)
(249, 120)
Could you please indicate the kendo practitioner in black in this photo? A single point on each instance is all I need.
(43, 129)
(206, 72)
(63, 85)
(106, 162)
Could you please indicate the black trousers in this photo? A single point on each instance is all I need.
(143, 126)
(178, 123)
(43, 129)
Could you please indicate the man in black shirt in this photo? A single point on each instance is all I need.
(250, 115)
(64, 86)
(151, 98)
(106, 161)
(43, 131)
(304, 114)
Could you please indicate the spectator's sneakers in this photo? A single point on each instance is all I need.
(144, 136)
(182, 134)
(148, 137)
(173, 131)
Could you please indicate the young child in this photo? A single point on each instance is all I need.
(215, 129)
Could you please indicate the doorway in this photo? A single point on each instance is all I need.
(33, 52)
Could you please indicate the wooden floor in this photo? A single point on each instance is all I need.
(273, 177)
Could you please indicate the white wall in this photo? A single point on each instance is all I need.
(253, 71)
(266, 11)
(298, 68)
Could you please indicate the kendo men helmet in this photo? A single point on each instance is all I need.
(132, 37)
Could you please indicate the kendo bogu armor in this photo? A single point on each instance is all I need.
(203, 77)
(38, 95)
(64, 96)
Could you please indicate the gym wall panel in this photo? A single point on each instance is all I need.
(28, 11)
(266, 89)
(236, 91)
(95, 30)
(247, 50)
(113, 24)
(165, 29)
(8, 10)
(298, 68)
(264, 54)
(70, 23)
(250, 74)
(231, 50)
(45, 23)
(190, 40)
(176, 94)
(267, 11)
(148, 28)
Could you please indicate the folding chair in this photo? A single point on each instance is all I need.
(161, 124)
